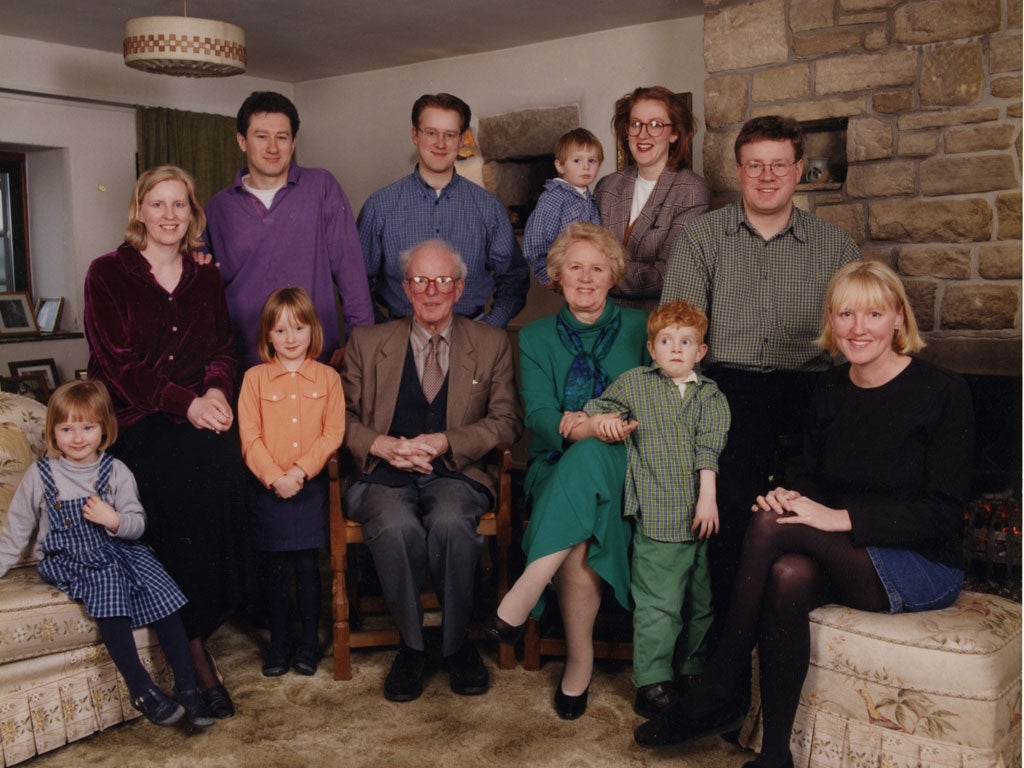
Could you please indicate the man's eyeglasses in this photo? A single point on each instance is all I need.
(779, 168)
(654, 128)
(448, 137)
(443, 284)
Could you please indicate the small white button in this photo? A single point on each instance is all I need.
(295, 445)
(170, 357)
(295, 421)
(174, 328)
(294, 396)
(293, 374)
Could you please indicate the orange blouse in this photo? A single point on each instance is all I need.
(288, 418)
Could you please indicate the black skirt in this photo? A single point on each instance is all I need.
(190, 484)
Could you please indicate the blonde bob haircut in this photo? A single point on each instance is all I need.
(872, 285)
(296, 301)
(135, 234)
(80, 401)
(585, 232)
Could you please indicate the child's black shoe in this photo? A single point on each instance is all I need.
(158, 707)
(196, 711)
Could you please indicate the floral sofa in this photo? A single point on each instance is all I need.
(934, 689)
(57, 683)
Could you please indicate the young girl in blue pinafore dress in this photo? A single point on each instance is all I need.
(291, 419)
(86, 506)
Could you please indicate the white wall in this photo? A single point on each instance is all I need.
(81, 161)
(357, 126)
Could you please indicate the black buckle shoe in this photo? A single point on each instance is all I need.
(466, 671)
(408, 673)
(654, 698)
(158, 707)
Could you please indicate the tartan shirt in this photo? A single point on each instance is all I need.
(559, 205)
(677, 437)
(474, 221)
(763, 298)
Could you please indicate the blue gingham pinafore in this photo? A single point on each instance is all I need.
(111, 576)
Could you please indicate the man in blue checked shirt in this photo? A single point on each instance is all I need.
(434, 202)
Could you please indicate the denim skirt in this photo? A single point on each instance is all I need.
(913, 582)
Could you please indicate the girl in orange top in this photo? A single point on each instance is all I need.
(291, 418)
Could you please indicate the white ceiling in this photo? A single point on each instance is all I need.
(298, 40)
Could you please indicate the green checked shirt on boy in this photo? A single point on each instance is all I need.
(678, 435)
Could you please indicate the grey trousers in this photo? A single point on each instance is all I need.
(429, 523)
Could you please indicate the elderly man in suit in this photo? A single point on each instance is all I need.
(427, 397)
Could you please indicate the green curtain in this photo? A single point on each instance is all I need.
(202, 144)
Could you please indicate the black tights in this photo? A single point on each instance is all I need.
(116, 632)
(279, 566)
(785, 571)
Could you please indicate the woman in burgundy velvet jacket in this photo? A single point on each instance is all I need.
(160, 339)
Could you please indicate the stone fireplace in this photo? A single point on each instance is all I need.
(518, 154)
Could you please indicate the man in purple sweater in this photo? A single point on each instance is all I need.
(279, 224)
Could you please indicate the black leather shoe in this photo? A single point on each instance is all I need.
(275, 663)
(306, 660)
(408, 672)
(692, 717)
(466, 671)
(218, 701)
(570, 707)
(501, 630)
(654, 698)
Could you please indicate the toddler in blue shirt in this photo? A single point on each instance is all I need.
(578, 156)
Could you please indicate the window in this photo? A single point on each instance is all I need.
(14, 260)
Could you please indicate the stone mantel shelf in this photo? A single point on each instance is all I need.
(826, 186)
(41, 337)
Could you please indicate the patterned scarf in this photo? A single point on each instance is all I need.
(586, 378)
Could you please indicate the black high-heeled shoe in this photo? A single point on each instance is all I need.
(570, 707)
(501, 630)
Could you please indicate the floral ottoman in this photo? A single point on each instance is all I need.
(57, 683)
(939, 688)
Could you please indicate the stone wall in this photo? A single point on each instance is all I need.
(932, 93)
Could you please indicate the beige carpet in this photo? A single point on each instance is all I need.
(300, 721)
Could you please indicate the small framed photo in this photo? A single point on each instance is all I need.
(81, 374)
(16, 316)
(48, 314)
(30, 385)
(47, 368)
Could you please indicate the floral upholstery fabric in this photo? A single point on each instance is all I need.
(931, 689)
(57, 682)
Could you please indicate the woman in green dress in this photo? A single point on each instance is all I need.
(577, 535)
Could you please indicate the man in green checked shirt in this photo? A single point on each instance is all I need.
(759, 269)
(674, 423)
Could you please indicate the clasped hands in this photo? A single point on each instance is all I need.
(794, 508)
(607, 427)
(211, 411)
(414, 454)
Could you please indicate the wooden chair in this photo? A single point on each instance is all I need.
(613, 635)
(350, 609)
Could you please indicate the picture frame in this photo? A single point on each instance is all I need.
(31, 385)
(48, 314)
(46, 367)
(16, 315)
(81, 374)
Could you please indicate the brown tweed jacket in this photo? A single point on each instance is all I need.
(678, 197)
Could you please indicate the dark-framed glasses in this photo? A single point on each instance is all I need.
(779, 168)
(432, 134)
(654, 127)
(443, 284)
